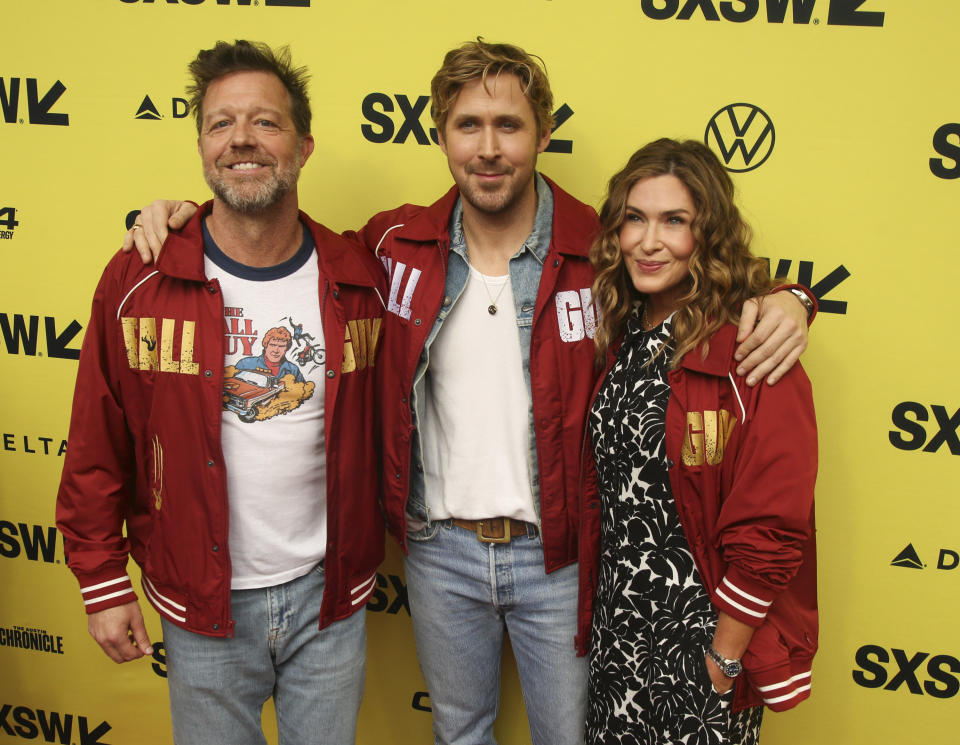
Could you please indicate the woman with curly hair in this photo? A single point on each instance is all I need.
(698, 568)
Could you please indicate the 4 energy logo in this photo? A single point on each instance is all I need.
(911, 434)
(839, 12)
(38, 107)
(946, 141)
(8, 221)
(742, 135)
(179, 108)
(380, 127)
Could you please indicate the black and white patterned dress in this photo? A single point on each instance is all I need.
(652, 616)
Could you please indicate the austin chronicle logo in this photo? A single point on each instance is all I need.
(742, 135)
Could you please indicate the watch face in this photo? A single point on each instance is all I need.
(732, 669)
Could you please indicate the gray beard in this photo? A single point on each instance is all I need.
(249, 201)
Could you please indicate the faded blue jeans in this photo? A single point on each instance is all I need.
(464, 595)
(218, 686)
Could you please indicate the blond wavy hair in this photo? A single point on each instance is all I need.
(479, 59)
(723, 272)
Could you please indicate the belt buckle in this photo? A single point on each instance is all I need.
(486, 539)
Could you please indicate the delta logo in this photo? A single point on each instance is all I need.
(380, 126)
(839, 12)
(909, 558)
(239, 3)
(148, 111)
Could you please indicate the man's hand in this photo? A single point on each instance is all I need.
(721, 683)
(155, 221)
(120, 632)
(773, 335)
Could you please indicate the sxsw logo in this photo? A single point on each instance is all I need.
(38, 106)
(380, 126)
(50, 726)
(911, 434)
(267, 3)
(878, 667)
(179, 108)
(742, 135)
(910, 559)
(389, 596)
(839, 12)
(950, 150)
(33, 542)
(8, 221)
(826, 284)
(22, 332)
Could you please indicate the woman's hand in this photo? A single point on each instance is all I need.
(153, 224)
(773, 335)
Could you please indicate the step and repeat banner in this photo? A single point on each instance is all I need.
(840, 122)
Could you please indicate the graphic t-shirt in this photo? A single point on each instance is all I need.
(272, 426)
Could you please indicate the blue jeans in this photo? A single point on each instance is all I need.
(218, 686)
(463, 595)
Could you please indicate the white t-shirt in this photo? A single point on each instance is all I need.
(272, 426)
(475, 433)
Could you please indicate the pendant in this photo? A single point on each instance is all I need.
(492, 309)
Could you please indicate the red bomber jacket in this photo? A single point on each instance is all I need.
(743, 463)
(414, 242)
(144, 474)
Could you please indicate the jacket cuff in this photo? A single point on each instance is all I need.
(806, 291)
(106, 589)
(744, 600)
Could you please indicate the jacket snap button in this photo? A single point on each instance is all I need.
(330, 373)
(215, 548)
(216, 626)
(417, 322)
(210, 463)
(207, 373)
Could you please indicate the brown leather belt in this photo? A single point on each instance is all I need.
(495, 529)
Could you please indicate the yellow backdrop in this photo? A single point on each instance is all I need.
(849, 152)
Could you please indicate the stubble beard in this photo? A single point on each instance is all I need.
(255, 196)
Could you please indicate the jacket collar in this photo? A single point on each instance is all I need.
(574, 223)
(340, 260)
(719, 356)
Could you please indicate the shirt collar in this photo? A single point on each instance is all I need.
(538, 242)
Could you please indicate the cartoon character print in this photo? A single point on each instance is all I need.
(261, 387)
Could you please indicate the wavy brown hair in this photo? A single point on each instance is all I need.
(480, 59)
(723, 272)
(249, 56)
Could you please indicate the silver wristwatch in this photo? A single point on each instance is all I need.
(730, 668)
(804, 299)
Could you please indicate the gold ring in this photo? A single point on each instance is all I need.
(136, 226)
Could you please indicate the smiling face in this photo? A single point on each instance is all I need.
(491, 143)
(657, 241)
(249, 145)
